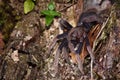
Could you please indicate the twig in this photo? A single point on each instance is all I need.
(66, 7)
(91, 70)
(103, 26)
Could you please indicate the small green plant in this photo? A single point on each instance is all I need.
(50, 13)
(28, 6)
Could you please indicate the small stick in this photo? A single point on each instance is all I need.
(91, 65)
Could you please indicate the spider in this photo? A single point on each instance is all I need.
(74, 39)
(77, 41)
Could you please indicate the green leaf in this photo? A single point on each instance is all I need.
(45, 12)
(48, 20)
(50, 13)
(28, 6)
(51, 6)
(54, 13)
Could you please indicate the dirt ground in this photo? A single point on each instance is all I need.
(26, 41)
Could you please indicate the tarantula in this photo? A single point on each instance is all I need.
(73, 38)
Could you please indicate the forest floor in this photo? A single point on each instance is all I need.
(26, 42)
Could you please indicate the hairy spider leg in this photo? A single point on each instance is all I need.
(65, 26)
(65, 50)
(89, 19)
(62, 44)
(92, 34)
(87, 26)
(76, 34)
(89, 45)
(92, 37)
(89, 49)
(78, 59)
(65, 54)
(57, 38)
